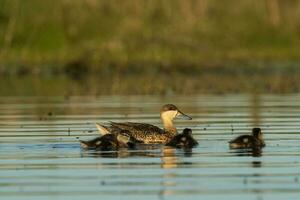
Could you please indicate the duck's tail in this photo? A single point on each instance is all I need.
(102, 129)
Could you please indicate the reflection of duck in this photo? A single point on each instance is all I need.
(110, 142)
(147, 133)
(248, 141)
(183, 140)
(254, 152)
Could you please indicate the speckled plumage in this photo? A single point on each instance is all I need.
(147, 133)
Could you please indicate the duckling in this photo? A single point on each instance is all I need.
(110, 142)
(248, 141)
(183, 140)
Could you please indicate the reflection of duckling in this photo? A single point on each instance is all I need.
(183, 140)
(109, 142)
(248, 141)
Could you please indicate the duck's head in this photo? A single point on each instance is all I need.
(170, 111)
(257, 133)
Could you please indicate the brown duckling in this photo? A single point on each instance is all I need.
(183, 140)
(110, 142)
(248, 141)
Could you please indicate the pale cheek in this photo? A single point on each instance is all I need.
(169, 114)
(174, 114)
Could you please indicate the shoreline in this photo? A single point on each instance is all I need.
(155, 81)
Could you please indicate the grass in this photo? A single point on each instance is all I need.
(143, 38)
(121, 33)
(210, 81)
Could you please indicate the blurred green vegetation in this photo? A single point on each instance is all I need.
(144, 35)
(286, 81)
(94, 47)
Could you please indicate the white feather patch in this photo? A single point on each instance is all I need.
(245, 140)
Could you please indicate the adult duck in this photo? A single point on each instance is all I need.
(148, 133)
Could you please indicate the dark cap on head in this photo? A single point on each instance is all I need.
(168, 107)
(256, 132)
(173, 108)
(187, 131)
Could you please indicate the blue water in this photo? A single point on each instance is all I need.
(40, 156)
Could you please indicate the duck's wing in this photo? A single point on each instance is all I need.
(137, 128)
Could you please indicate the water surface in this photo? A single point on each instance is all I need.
(40, 156)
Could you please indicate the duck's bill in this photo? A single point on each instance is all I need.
(181, 115)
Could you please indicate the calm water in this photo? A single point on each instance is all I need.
(40, 156)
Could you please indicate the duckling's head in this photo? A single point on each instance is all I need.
(170, 111)
(257, 133)
(187, 131)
